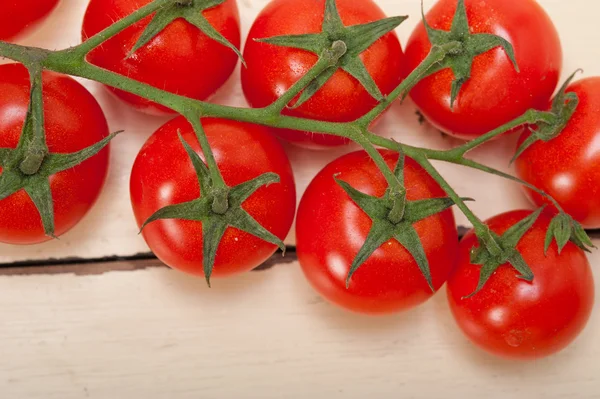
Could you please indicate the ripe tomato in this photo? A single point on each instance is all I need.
(163, 175)
(515, 318)
(272, 70)
(568, 166)
(331, 229)
(180, 59)
(496, 92)
(16, 16)
(73, 121)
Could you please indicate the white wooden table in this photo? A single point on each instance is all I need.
(139, 330)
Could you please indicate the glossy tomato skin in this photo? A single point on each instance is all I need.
(163, 175)
(496, 92)
(18, 15)
(73, 121)
(181, 59)
(272, 70)
(568, 166)
(331, 229)
(515, 318)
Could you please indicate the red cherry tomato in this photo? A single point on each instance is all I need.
(272, 70)
(163, 175)
(180, 59)
(331, 229)
(496, 93)
(512, 317)
(17, 15)
(73, 121)
(568, 166)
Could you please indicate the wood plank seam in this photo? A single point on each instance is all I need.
(101, 266)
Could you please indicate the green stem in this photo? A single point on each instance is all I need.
(449, 157)
(83, 69)
(180, 104)
(529, 117)
(482, 231)
(72, 62)
(394, 184)
(215, 174)
(81, 50)
(398, 210)
(37, 149)
(476, 165)
(24, 54)
(435, 56)
(327, 60)
(221, 200)
(426, 164)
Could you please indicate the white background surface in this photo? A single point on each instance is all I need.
(110, 228)
(157, 334)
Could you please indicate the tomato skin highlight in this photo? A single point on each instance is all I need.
(163, 175)
(174, 60)
(73, 121)
(272, 70)
(331, 229)
(515, 318)
(568, 166)
(17, 16)
(496, 93)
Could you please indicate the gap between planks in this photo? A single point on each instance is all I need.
(90, 267)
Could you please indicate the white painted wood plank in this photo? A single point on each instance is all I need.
(157, 334)
(110, 228)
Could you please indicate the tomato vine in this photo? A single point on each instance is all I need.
(454, 49)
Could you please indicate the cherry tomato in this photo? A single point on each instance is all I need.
(515, 318)
(180, 59)
(272, 70)
(17, 15)
(496, 93)
(568, 166)
(331, 229)
(73, 121)
(164, 175)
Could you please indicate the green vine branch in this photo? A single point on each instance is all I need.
(338, 47)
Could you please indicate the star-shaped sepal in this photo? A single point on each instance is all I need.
(564, 106)
(356, 38)
(393, 217)
(494, 251)
(29, 166)
(563, 228)
(460, 60)
(214, 224)
(189, 10)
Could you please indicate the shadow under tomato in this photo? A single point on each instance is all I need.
(223, 290)
(406, 325)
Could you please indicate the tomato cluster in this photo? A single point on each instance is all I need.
(189, 55)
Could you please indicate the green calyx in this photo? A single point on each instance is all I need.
(465, 47)
(189, 10)
(564, 229)
(564, 106)
(495, 251)
(356, 38)
(393, 217)
(218, 208)
(29, 166)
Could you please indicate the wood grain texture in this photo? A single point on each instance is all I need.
(110, 229)
(157, 334)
